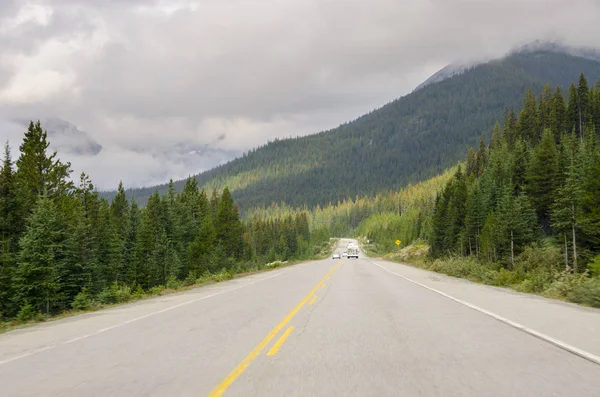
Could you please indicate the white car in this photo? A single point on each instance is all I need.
(345, 254)
(336, 256)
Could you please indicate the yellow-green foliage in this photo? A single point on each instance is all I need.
(383, 218)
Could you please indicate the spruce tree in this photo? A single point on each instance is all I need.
(573, 111)
(38, 172)
(37, 277)
(528, 122)
(545, 107)
(543, 178)
(558, 115)
(8, 233)
(228, 225)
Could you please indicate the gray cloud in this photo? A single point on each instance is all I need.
(231, 74)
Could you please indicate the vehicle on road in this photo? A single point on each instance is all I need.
(345, 254)
(353, 252)
(336, 256)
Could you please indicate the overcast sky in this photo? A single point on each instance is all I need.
(143, 75)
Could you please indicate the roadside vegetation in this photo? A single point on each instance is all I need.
(523, 211)
(64, 248)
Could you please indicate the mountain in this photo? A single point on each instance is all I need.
(408, 140)
(533, 47)
(66, 137)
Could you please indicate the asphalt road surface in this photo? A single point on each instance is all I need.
(349, 327)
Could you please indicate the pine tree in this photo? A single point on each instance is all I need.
(119, 211)
(558, 115)
(37, 172)
(481, 156)
(573, 111)
(566, 214)
(228, 225)
(545, 107)
(130, 255)
(516, 223)
(543, 178)
(582, 103)
(510, 129)
(8, 232)
(528, 122)
(37, 277)
(110, 251)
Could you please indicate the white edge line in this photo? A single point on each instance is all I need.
(36, 351)
(560, 344)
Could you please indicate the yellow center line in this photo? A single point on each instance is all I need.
(312, 300)
(280, 341)
(323, 285)
(229, 379)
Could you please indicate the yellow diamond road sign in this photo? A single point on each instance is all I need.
(397, 242)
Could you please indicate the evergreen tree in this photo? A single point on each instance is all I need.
(38, 172)
(516, 223)
(8, 232)
(558, 115)
(567, 211)
(543, 178)
(545, 108)
(130, 254)
(528, 122)
(37, 277)
(573, 111)
(582, 103)
(228, 225)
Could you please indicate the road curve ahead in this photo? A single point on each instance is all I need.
(325, 328)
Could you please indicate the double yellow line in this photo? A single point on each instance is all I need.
(228, 381)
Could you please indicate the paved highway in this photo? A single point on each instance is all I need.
(324, 328)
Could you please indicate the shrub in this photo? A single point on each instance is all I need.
(535, 281)
(535, 257)
(108, 295)
(26, 313)
(222, 276)
(138, 293)
(115, 294)
(156, 290)
(587, 293)
(83, 300)
(123, 293)
(190, 279)
(564, 283)
(173, 283)
(206, 276)
(594, 266)
(505, 278)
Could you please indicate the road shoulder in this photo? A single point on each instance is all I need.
(571, 324)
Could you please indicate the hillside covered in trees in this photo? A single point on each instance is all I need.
(408, 140)
(539, 179)
(62, 246)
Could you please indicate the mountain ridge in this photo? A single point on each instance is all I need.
(407, 140)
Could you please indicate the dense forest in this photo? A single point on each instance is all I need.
(62, 246)
(408, 140)
(537, 181)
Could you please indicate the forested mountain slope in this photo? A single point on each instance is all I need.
(410, 139)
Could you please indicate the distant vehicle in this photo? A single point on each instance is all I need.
(345, 254)
(336, 256)
(353, 252)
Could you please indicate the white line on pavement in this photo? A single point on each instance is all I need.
(565, 346)
(31, 353)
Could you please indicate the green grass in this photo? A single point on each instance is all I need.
(538, 270)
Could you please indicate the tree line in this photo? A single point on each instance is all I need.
(537, 182)
(63, 246)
